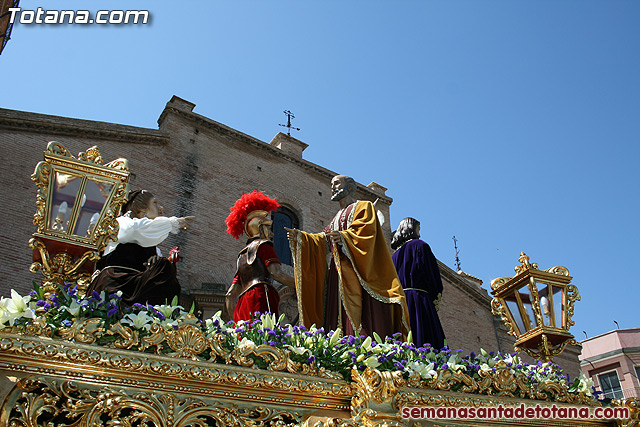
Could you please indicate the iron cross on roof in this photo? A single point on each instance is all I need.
(290, 116)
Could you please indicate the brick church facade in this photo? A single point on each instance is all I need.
(197, 166)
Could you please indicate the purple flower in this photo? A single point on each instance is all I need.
(33, 294)
(311, 359)
(54, 300)
(112, 312)
(66, 323)
(41, 303)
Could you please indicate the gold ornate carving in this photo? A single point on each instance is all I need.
(633, 405)
(187, 342)
(85, 331)
(41, 177)
(499, 281)
(559, 270)
(526, 265)
(91, 155)
(48, 402)
(375, 386)
(178, 369)
(65, 241)
(61, 268)
(500, 310)
(572, 297)
(545, 350)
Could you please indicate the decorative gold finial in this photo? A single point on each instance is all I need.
(526, 265)
(91, 155)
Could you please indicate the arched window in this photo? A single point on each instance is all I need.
(283, 217)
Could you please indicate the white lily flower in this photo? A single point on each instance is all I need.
(168, 324)
(485, 367)
(372, 362)
(377, 338)
(166, 310)
(268, 320)
(425, 371)
(246, 343)
(335, 337)
(366, 344)
(453, 363)
(74, 308)
(16, 307)
(297, 350)
(585, 384)
(210, 323)
(138, 321)
(410, 338)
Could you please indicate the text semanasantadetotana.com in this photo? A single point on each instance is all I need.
(515, 412)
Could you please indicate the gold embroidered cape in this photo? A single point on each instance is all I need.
(364, 262)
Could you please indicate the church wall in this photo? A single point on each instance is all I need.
(465, 314)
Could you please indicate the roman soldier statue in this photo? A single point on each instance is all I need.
(257, 264)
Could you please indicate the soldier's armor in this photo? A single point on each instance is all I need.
(251, 270)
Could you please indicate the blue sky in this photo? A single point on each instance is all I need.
(514, 126)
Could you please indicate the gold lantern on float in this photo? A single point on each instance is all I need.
(537, 306)
(77, 204)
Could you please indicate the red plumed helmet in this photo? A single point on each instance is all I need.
(248, 203)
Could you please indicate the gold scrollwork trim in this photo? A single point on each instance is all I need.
(33, 353)
(65, 403)
(633, 405)
(572, 297)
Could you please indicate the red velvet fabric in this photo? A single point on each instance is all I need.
(254, 300)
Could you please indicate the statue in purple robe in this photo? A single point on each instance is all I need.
(420, 277)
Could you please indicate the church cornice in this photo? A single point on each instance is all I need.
(480, 296)
(233, 134)
(64, 126)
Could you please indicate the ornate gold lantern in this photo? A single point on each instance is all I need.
(537, 307)
(76, 205)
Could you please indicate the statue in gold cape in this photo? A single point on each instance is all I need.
(358, 289)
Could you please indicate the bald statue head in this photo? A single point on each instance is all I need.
(341, 187)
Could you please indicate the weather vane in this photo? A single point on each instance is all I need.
(290, 116)
(455, 245)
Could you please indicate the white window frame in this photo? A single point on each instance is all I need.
(612, 393)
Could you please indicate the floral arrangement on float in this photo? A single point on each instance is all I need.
(266, 343)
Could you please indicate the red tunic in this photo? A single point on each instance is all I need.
(254, 299)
